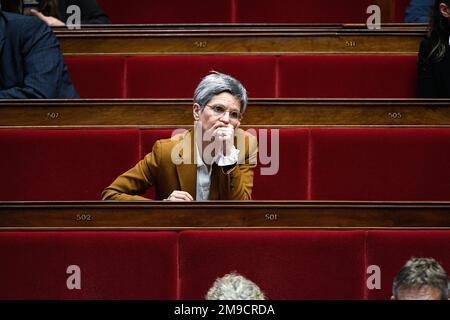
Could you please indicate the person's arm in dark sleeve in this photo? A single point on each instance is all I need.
(419, 11)
(426, 87)
(43, 64)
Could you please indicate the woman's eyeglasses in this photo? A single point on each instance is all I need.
(220, 110)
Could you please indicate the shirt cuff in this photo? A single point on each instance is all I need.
(228, 160)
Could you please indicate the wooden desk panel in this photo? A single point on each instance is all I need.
(159, 215)
(175, 113)
(232, 40)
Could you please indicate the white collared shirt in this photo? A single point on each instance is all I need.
(204, 174)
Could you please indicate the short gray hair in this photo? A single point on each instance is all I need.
(216, 83)
(418, 273)
(234, 286)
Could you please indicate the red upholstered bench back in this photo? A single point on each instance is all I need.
(380, 164)
(295, 11)
(112, 265)
(63, 164)
(285, 264)
(178, 76)
(98, 77)
(173, 11)
(297, 76)
(391, 249)
(292, 177)
(306, 264)
(236, 11)
(347, 76)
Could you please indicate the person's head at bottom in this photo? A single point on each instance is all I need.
(421, 279)
(234, 286)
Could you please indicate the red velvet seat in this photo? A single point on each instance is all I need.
(294, 11)
(399, 9)
(285, 264)
(381, 164)
(178, 76)
(113, 265)
(63, 164)
(173, 11)
(240, 11)
(391, 164)
(391, 249)
(291, 181)
(98, 77)
(347, 76)
(299, 76)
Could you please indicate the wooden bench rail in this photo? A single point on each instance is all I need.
(241, 26)
(173, 113)
(157, 215)
(237, 40)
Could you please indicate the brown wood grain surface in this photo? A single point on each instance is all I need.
(240, 40)
(173, 113)
(158, 215)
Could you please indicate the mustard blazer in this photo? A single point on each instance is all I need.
(157, 169)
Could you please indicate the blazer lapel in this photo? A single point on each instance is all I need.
(187, 170)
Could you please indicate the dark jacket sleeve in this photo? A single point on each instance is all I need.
(419, 11)
(44, 70)
(91, 13)
(426, 87)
